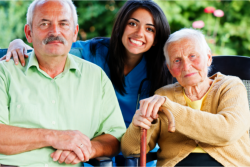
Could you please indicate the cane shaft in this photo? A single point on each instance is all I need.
(143, 147)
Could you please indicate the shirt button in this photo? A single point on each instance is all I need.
(46, 165)
(52, 80)
(53, 122)
(18, 106)
(53, 101)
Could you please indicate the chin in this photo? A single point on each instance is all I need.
(136, 52)
(55, 53)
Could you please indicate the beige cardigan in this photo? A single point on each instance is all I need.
(221, 127)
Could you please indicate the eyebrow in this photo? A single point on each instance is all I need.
(139, 22)
(44, 20)
(64, 20)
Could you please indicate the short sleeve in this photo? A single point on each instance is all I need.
(4, 100)
(111, 120)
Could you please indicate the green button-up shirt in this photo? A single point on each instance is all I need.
(80, 98)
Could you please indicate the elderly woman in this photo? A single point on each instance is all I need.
(211, 114)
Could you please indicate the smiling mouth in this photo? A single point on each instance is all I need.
(139, 43)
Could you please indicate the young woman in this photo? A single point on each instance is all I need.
(133, 57)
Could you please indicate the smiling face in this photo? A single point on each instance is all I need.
(187, 62)
(53, 30)
(139, 33)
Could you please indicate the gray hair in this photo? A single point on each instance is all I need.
(189, 33)
(32, 6)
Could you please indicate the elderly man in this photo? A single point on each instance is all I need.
(211, 116)
(53, 106)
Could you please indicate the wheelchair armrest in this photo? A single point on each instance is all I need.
(134, 160)
(101, 161)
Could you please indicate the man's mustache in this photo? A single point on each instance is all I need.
(54, 38)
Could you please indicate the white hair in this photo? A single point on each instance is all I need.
(187, 33)
(32, 6)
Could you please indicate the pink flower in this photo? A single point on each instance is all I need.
(198, 24)
(218, 13)
(209, 9)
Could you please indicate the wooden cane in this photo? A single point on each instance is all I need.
(143, 147)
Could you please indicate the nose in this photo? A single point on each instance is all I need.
(186, 65)
(55, 29)
(139, 31)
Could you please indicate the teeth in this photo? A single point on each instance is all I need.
(136, 42)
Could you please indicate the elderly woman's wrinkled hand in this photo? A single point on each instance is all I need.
(149, 107)
(141, 121)
(148, 111)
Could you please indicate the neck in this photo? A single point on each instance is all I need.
(131, 62)
(198, 91)
(53, 66)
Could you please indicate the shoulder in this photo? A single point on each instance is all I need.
(81, 44)
(168, 90)
(87, 67)
(6, 66)
(226, 81)
(227, 86)
(94, 50)
(84, 64)
(102, 41)
(95, 42)
(3, 67)
(9, 70)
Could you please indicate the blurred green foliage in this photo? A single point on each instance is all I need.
(233, 33)
(12, 21)
(96, 18)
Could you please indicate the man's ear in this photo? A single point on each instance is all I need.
(75, 33)
(27, 30)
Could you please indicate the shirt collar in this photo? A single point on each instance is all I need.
(32, 61)
(69, 65)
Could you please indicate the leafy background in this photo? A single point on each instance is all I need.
(96, 19)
